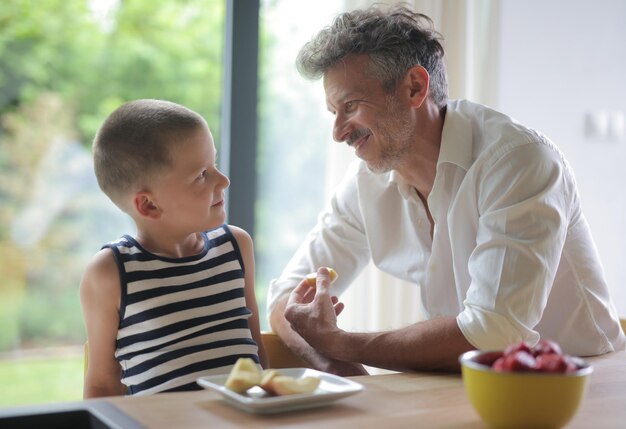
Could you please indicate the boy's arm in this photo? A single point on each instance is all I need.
(100, 300)
(247, 253)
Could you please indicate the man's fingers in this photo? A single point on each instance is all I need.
(339, 308)
(299, 294)
(323, 281)
(309, 295)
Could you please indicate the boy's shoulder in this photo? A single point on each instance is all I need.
(124, 241)
(102, 268)
(240, 235)
(237, 232)
(102, 261)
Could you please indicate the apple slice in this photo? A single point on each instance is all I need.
(285, 385)
(266, 381)
(244, 375)
(312, 278)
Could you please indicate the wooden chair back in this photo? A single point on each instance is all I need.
(279, 355)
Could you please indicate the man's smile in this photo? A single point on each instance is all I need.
(358, 138)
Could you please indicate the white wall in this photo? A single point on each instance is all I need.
(558, 61)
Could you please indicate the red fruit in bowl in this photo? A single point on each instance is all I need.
(518, 361)
(498, 365)
(521, 346)
(546, 347)
(554, 363)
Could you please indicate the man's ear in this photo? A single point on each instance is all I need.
(417, 79)
(145, 205)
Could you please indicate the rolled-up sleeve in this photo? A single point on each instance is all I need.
(523, 201)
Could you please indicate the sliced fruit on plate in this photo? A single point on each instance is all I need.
(266, 381)
(284, 385)
(244, 375)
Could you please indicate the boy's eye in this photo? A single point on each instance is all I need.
(203, 174)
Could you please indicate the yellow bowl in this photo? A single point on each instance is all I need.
(522, 399)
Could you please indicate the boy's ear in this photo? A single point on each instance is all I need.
(417, 79)
(145, 205)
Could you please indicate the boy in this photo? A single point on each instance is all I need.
(176, 301)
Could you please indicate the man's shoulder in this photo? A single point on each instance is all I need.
(480, 115)
(495, 132)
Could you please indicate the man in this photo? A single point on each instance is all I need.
(480, 212)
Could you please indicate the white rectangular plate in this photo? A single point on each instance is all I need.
(256, 400)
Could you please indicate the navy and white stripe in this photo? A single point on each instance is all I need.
(181, 319)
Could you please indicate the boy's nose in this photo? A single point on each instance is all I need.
(225, 180)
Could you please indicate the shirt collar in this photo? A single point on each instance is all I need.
(404, 189)
(456, 146)
(456, 138)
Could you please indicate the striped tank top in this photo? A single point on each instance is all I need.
(183, 318)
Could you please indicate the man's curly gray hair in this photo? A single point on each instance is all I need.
(395, 40)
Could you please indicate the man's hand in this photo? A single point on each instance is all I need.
(344, 369)
(312, 312)
(307, 322)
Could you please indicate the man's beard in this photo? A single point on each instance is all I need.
(397, 133)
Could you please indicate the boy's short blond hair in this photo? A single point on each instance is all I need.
(134, 143)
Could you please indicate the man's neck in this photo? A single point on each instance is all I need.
(421, 167)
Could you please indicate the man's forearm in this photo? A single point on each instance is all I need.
(308, 326)
(430, 345)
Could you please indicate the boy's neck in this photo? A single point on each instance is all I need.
(171, 247)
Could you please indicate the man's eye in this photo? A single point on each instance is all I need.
(350, 106)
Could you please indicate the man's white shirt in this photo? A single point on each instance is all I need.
(511, 255)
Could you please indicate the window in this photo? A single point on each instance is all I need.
(64, 66)
(294, 136)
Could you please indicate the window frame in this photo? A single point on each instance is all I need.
(239, 110)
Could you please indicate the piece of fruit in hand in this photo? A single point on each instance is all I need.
(244, 375)
(312, 278)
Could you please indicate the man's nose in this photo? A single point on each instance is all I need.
(341, 129)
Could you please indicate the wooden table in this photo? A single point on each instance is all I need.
(389, 401)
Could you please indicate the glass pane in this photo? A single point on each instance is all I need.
(294, 136)
(64, 66)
